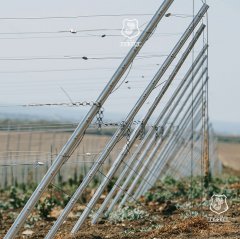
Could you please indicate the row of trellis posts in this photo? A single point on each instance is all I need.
(181, 151)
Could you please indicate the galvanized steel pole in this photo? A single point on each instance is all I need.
(151, 142)
(135, 133)
(147, 140)
(157, 167)
(151, 174)
(120, 131)
(153, 153)
(78, 134)
(169, 146)
(153, 177)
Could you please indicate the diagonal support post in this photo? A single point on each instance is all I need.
(128, 120)
(78, 134)
(153, 153)
(136, 132)
(159, 74)
(148, 140)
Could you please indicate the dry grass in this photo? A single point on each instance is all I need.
(229, 154)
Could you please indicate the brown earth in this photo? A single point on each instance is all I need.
(229, 154)
(169, 227)
(156, 225)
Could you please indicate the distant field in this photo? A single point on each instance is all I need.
(229, 154)
(24, 143)
(20, 151)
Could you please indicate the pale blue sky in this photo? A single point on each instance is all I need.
(42, 87)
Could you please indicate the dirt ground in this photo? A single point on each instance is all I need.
(161, 220)
(156, 225)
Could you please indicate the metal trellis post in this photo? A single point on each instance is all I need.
(78, 134)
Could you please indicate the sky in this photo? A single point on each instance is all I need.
(26, 79)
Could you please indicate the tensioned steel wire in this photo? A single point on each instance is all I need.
(126, 131)
(75, 139)
(93, 200)
(145, 150)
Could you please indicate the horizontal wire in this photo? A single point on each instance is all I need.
(79, 199)
(89, 16)
(118, 186)
(74, 17)
(104, 35)
(43, 152)
(137, 79)
(61, 31)
(73, 69)
(37, 131)
(30, 153)
(41, 163)
(55, 70)
(32, 125)
(130, 196)
(86, 30)
(76, 58)
(37, 124)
